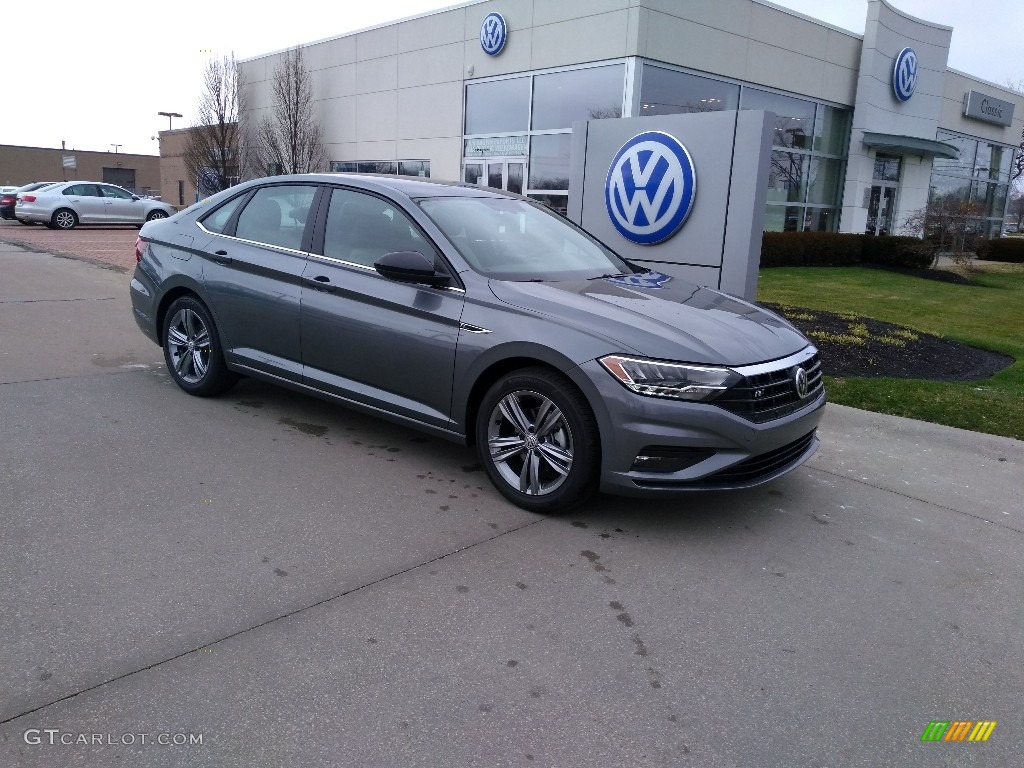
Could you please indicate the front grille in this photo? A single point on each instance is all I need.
(772, 395)
(765, 464)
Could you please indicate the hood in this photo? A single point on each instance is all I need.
(664, 318)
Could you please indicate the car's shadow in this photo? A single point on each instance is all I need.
(697, 513)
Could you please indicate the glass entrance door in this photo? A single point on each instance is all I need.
(881, 210)
(507, 173)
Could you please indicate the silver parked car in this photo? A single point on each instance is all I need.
(66, 205)
(484, 318)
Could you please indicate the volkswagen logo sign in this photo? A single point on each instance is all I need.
(493, 34)
(904, 74)
(650, 188)
(800, 380)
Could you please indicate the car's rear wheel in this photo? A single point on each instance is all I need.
(154, 215)
(192, 349)
(64, 218)
(538, 441)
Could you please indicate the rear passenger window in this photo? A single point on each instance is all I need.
(81, 190)
(362, 228)
(216, 221)
(276, 216)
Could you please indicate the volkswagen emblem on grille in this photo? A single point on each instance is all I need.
(800, 380)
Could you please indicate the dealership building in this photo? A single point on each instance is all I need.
(867, 128)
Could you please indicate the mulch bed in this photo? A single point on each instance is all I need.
(860, 346)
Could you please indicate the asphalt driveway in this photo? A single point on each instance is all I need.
(291, 583)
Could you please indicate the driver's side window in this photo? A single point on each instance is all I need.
(361, 228)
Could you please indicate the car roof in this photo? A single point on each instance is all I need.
(411, 186)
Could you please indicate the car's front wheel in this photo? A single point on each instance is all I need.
(538, 441)
(154, 215)
(64, 219)
(192, 349)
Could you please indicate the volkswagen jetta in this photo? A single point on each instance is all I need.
(483, 318)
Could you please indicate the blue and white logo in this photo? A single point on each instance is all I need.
(904, 74)
(493, 34)
(650, 188)
(643, 280)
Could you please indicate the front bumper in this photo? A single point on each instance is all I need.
(739, 453)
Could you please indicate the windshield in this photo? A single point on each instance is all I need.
(515, 240)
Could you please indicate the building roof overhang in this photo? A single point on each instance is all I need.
(910, 145)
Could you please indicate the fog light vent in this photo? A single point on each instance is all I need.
(662, 458)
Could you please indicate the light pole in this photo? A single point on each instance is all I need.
(170, 118)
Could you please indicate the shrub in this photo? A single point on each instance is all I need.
(812, 249)
(1004, 249)
(893, 251)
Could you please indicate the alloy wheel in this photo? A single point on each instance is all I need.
(530, 443)
(188, 343)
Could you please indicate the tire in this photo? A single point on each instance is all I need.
(64, 218)
(192, 349)
(154, 215)
(543, 415)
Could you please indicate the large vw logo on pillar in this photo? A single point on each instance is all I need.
(493, 34)
(650, 187)
(904, 74)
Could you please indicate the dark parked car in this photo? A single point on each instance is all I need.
(9, 198)
(484, 318)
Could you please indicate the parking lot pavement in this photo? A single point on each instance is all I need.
(112, 246)
(295, 584)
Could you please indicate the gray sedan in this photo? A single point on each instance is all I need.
(483, 318)
(66, 205)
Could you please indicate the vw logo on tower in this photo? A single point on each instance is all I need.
(904, 74)
(493, 34)
(650, 187)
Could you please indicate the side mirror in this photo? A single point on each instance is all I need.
(410, 267)
(135, 197)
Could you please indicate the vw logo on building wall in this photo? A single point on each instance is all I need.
(904, 74)
(650, 187)
(493, 34)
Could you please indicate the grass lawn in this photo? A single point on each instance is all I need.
(989, 314)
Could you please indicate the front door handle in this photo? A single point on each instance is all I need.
(322, 283)
(221, 257)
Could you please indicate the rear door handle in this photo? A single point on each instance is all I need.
(322, 283)
(221, 257)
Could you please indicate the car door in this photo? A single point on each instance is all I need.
(119, 205)
(252, 270)
(383, 343)
(86, 202)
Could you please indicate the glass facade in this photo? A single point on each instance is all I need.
(668, 92)
(980, 176)
(805, 182)
(400, 167)
(535, 114)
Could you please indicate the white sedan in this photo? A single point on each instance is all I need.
(65, 206)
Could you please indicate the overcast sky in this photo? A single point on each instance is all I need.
(96, 74)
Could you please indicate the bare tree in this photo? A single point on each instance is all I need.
(951, 221)
(1017, 171)
(289, 139)
(1016, 208)
(212, 153)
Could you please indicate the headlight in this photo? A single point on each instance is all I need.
(675, 380)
